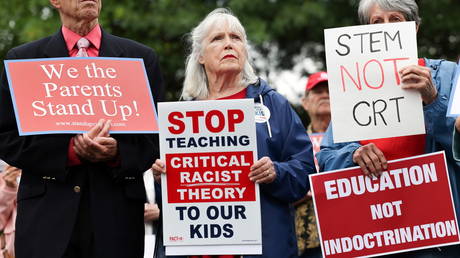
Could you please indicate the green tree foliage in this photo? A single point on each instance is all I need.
(293, 27)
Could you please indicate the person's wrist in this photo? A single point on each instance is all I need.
(354, 155)
(430, 99)
(434, 96)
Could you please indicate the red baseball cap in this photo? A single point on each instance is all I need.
(315, 79)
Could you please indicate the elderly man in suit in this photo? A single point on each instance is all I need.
(80, 195)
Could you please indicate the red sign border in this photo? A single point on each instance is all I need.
(391, 161)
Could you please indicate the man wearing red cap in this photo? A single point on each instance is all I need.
(316, 103)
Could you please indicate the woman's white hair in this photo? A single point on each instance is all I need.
(408, 8)
(195, 83)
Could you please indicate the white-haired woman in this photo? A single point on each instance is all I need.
(433, 79)
(218, 68)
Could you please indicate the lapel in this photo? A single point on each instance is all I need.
(110, 46)
(56, 46)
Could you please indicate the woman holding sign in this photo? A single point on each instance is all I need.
(218, 68)
(433, 79)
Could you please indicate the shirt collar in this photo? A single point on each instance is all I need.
(71, 38)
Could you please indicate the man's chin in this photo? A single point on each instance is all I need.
(324, 112)
(90, 15)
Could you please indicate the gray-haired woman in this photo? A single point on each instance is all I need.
(433, 79)
(218, 68)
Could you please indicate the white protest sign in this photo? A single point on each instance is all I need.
(367, 101)
(149, 226)
(454, 101)
(209, 204)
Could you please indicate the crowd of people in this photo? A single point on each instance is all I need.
(83, 195)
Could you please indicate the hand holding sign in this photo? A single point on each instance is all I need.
(96, 145)
(157, 169)
(370, 159)
(419, 78)
(151, 212)
(263, 171)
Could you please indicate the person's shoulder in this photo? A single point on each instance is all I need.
(442, 70)
(439, 63)
(127, 44)
(269, 91)
(31, 49)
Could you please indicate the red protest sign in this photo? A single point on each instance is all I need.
(409, 207)
(210, 177)
(69, 95)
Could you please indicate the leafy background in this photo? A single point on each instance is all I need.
(283, 32)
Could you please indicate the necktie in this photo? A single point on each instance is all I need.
(82, 45)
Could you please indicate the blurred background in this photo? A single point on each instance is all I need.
(286, 36)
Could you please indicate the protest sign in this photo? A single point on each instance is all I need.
(367, 101)
(408, 207)
(453, 109)
(209, 204)
(69, 95)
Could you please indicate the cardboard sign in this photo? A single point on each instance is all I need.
(409, 207)
(69, 95)
(453, 109)
(209, 204)
(364, 83)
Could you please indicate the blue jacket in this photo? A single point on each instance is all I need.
(438, 130)
(290, 150)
